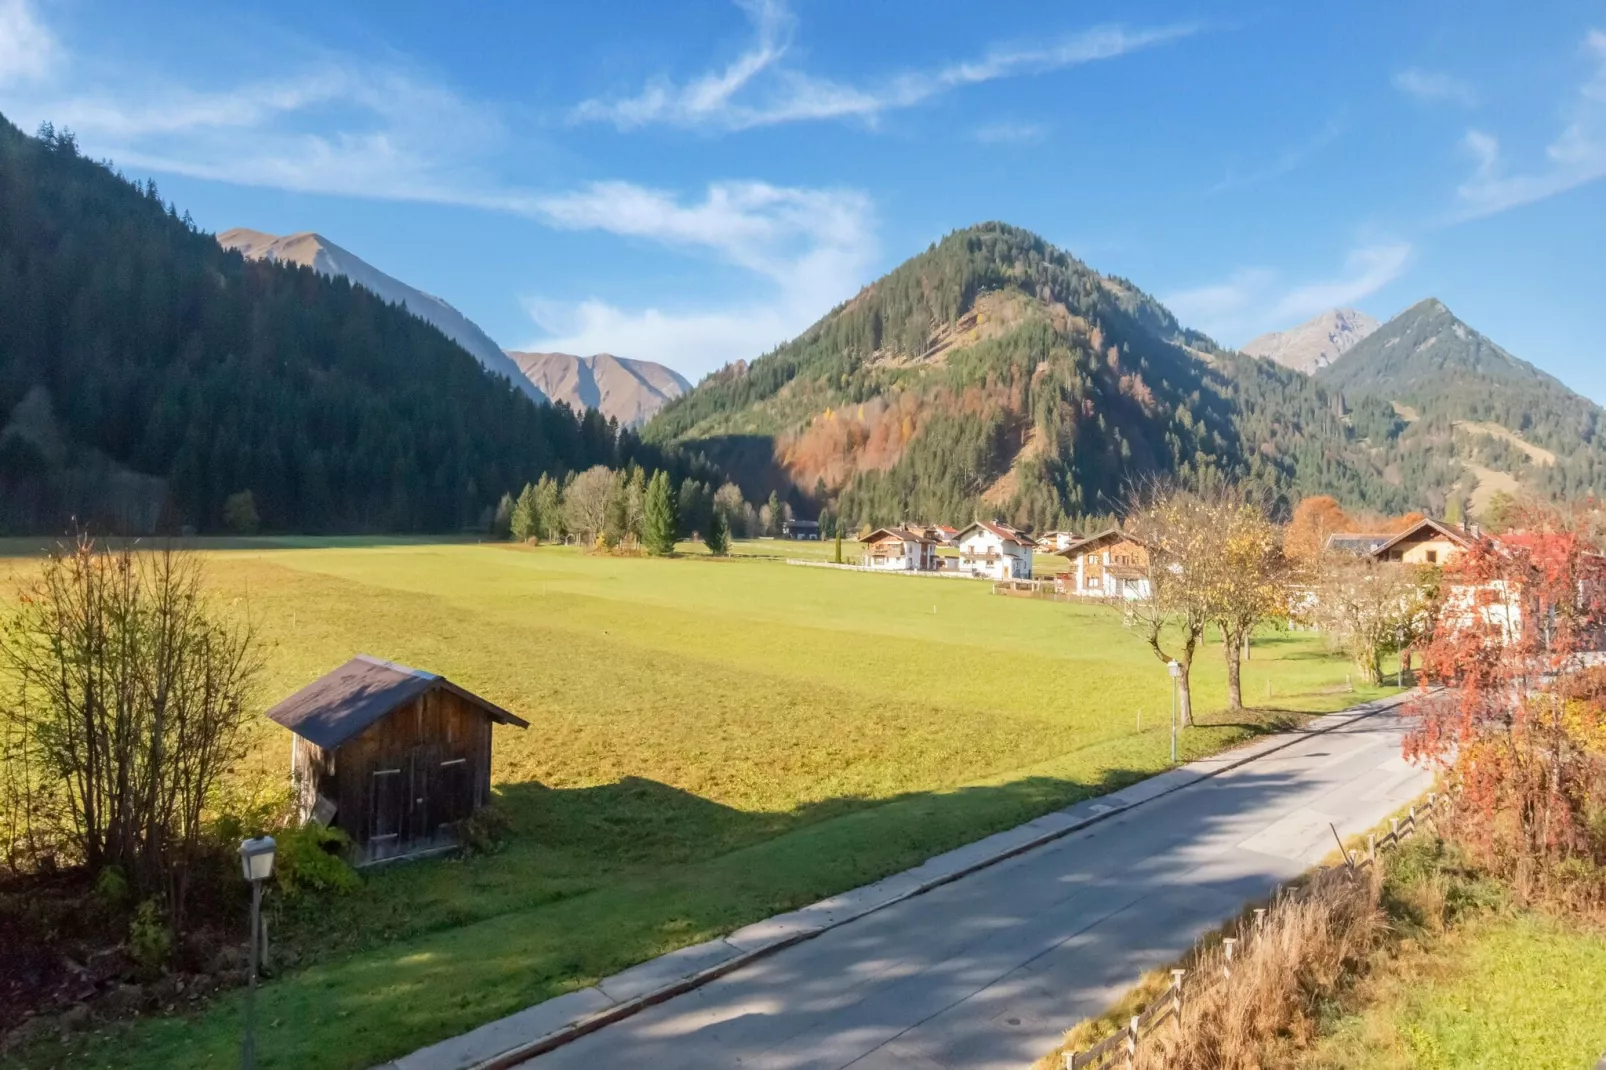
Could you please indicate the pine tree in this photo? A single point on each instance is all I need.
(718, 536)
(838, 557)
(777, 515)
(526, 519)
(549, 509)
(658, 520)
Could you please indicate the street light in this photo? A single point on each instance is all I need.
(256, 862)
(1175, 670)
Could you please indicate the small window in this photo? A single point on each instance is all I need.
(1433, 557)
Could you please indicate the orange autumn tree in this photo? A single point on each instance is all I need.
(1313, 521)
(1520, 723)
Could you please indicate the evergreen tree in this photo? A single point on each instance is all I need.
(775, 516)
(659, 520)
(525, 521)
(718, 537)
(616, 521)
(549, 524)
(838, 556)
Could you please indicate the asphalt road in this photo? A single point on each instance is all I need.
(987, 972)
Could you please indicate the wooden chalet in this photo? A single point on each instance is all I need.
(1427, 542)
(899, 550)
(392, 756)
(1111, 564)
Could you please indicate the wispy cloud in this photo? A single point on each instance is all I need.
(1010, 132)
(1575, 157)
(1283, 163)
(1435, 86)
(813, 246)
(28, 50)
(758, 88)
(1253, 300)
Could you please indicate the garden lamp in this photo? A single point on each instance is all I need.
(1175, 669)
(256, 862)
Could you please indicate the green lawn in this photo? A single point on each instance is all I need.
(1508, 992)
(711, 742)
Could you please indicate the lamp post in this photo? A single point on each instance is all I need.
(1175, 670)
(256, 861)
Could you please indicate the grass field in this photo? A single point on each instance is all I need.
(1509, 991)
(712, 741)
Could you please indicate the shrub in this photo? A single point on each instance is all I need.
(150, 941)
(484, 832)
(311, 858)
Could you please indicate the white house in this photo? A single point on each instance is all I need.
(989, 549)
(1052, 542)
(899, 550)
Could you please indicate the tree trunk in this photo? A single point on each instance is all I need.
(1184, 699)
(1235, 688)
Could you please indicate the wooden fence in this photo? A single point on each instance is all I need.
(1121, 1048)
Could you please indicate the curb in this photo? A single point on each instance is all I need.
(590, 1023)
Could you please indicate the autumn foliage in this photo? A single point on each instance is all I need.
(1520, 722)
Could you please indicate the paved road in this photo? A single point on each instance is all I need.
(987, 972)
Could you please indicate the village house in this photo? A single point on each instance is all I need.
(1052, 542)
(994, 550)
(800, 529)
(393, 757)
(899, 550)
(1427, 542)
(1361, 544)
(1111, 564)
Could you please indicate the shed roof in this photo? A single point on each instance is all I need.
(346, 700)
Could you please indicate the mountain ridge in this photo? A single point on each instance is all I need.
(1316, 343)
(630, 391)
(312, 250)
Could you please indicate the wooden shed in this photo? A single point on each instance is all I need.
(392, 756)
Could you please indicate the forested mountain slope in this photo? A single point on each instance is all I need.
(1463, 395)
(147, 374)
(995, 373)
(322, 255)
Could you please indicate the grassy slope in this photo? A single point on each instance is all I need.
(1507, 992)
(711, 742)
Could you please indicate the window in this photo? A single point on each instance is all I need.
(1433, 557)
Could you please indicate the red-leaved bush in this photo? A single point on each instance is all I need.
(1514, 708)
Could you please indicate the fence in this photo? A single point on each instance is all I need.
(1121, 1048)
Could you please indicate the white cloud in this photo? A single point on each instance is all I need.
(814, 247)
(1254, 300)
(1283, 163)
(28, 50)
(778, 94)
(1008, 132)
(1577, 155)
(1435, 86)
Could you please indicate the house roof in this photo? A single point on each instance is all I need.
(897, 533)
(344, 701)
(1454, 534)
(1357, 542)
(1007, 534)
(1082, 546)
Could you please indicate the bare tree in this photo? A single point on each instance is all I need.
(1179, 529)
(585, 503)
(129, 693)
(1250, 578)
(1371, 608)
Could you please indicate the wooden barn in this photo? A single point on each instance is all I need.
(392, 756)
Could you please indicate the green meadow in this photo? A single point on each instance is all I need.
(711, 741)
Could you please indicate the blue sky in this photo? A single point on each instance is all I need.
(697, 182)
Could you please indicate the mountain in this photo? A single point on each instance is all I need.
(1315, 343)
(996, 374)
(1457, 392)
(629, 391)
(314, 251)
(148, 375)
